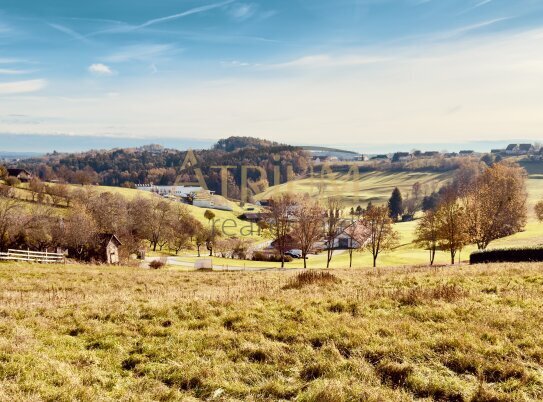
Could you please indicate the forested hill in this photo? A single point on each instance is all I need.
(161, 166)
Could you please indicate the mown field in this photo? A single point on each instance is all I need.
(397, 334)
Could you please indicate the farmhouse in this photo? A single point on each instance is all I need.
(254, 217)
(522, 149)
(21, 174)
(401, 157)
(525, 149)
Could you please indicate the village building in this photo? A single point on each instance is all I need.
(22, 174)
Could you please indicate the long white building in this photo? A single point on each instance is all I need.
(179, 191)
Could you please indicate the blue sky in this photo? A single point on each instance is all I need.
(331, 72)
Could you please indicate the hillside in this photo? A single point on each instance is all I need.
(127, 167)
(104, 333)
(373, 186)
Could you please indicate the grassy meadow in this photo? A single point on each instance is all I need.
(397, 334)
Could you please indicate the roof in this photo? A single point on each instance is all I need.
(468, 151)
(511, 147)
(526, 147)
(105, 238)
(16, 172)
(401, 154)
(252, 216)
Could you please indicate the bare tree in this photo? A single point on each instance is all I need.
(495, 204)
(308, 227)
(451, 223)
(160, 215)
(183, 226)
(80, 230)
(539, 210)
(10, 210)
(359, 235)
(427, 235)
(332, 226)
(382, 236)
(278, 223)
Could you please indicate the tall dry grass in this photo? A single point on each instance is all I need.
(99, 333)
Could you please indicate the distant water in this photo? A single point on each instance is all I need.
(25, 143)
(71, 143)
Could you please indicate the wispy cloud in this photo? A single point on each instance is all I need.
(242, 11)
(100, 69)
(476, 5)
(144, 52)
(125, 28)
(20, 87)
(70, 32)
(468, 28)
(482, 3)
(327, 61)
(192, 11)
(7, 71)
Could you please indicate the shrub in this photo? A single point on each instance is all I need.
(260, 256)
(534, 254)
(309, 278)
(12, 181)
(157, 264)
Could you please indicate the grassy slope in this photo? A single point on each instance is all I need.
(103, 333)
(377, 186)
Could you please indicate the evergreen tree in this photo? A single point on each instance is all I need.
(395, 204)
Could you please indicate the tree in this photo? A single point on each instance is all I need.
(3, 172)
(10, 210)
(395, 204)
(183, 227)
(160, 214)
(13, 181)
(495, 205)
(209, 215)
(539, 210)
(382, 236)
(332, 226)
(451, 224)
(278, 223)
(308, 227)
(430, 202)
(488, 159)
(427, 235)
(358, 237)
(37, 188)
(80, 230)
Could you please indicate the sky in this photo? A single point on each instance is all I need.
(350, 73)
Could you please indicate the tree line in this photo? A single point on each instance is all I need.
(91, 214)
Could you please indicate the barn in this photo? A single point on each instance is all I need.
(108, 249)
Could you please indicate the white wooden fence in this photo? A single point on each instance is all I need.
(32, 256)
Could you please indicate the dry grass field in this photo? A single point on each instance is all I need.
(392, 334)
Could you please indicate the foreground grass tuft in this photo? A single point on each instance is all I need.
(113, 333)
(307, 278)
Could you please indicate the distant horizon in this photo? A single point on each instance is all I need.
(41, 144)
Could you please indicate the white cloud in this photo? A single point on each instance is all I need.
(20, 87)
(100, 69)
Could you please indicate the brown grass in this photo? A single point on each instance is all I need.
(113, 333)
